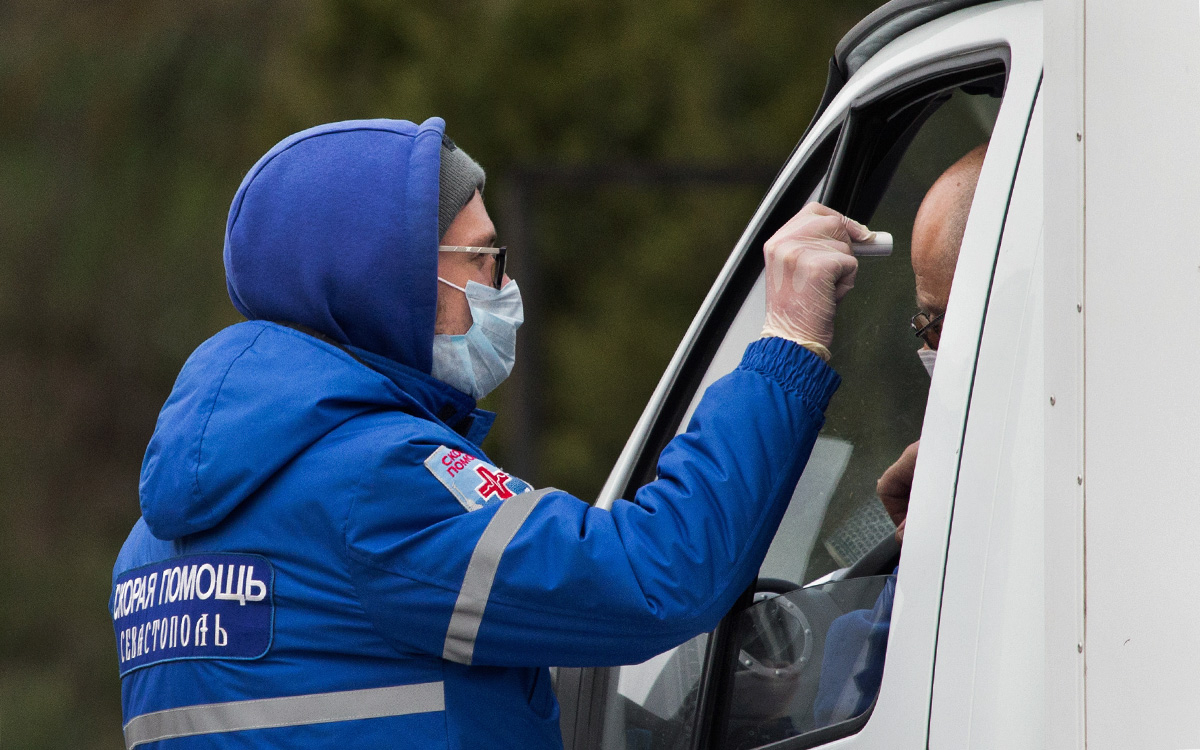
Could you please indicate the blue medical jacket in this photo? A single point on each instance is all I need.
(327, 558)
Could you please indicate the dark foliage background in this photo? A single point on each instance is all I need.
(125, 128)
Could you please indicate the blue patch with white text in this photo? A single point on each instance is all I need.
(207, 606)
(474, 482)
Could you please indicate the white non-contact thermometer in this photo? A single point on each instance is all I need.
(879, 245)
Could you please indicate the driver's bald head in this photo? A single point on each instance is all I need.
(939, 227)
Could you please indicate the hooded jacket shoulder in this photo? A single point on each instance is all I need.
(247, 402)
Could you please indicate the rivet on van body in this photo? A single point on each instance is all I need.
(1052, 401)
(1079, 480)
(1079, 136)
(1079, 647)
(1078, 308)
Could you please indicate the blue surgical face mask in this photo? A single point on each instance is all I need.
(480, 359)
(928, 358)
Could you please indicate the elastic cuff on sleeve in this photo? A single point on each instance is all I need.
(795, 368)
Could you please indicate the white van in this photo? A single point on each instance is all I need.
(1048, 594)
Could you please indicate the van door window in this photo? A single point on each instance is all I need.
(806, 657)
(800, 660)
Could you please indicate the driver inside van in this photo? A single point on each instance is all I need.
(936, 239)
(852, 665)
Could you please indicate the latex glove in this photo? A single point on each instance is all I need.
(895, 486)
(809, 269)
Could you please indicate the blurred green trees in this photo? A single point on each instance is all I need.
(125, 128)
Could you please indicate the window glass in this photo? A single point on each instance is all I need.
(810, 654)
(878, 409)
(806, 659)
(654, 704)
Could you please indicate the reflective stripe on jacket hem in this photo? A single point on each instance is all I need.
(481, 572)
(289, 711)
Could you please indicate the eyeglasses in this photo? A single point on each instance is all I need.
(928, 328)
(501, 254)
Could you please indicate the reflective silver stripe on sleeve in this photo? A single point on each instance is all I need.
(481, 571)
(290, 711)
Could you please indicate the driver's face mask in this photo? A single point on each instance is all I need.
(928, 358)
(480, 359)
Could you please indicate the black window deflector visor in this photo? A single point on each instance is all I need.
(882, 122)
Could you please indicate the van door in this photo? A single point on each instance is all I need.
(989, 674)
(777, 670)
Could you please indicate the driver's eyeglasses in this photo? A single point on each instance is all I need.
(928, 328)
(501, 254)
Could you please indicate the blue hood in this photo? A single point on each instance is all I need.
(335, 229)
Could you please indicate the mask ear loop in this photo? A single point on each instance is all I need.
(928, 358)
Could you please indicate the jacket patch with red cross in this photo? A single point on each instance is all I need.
(473, 481)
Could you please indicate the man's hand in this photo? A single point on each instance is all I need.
(809, 269)
(895, 485)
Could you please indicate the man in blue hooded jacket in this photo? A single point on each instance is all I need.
(326, 558)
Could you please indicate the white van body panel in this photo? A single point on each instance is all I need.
(1062, 95)
(1142, 354)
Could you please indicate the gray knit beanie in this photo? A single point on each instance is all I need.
(459, 178)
